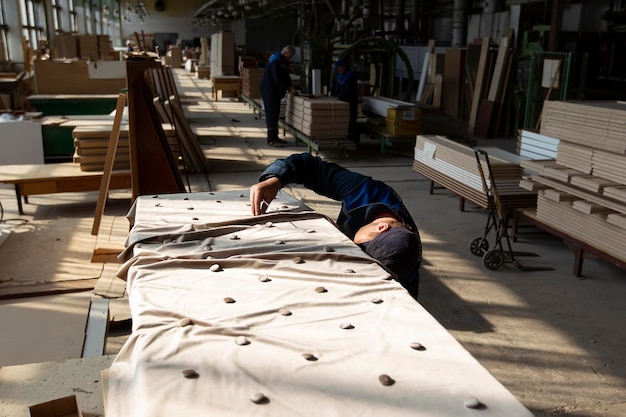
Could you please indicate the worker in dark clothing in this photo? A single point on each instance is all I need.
(274, 83)
(372, 214)
(345, 88)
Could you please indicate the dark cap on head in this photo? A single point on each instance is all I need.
(397, 248)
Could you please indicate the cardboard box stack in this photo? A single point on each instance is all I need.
(93, 47)
(404, 122)
(318, 116)
(582, 192)
(91, 146)
(88, 47)
(251, 81)
(105, 46)
(66, 46)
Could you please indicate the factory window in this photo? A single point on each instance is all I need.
(72, 11)
(33, 22)
(4, 45)
(64, 16)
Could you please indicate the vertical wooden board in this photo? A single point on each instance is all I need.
(480, 82)
(108, 163)
(153, 167)
(483, 123)
(453, 80)
(495, 88)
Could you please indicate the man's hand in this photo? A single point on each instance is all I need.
(262, 194)
(293, 91)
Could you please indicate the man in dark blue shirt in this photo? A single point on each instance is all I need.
(345, 88)
(372, 214)
(274, 83)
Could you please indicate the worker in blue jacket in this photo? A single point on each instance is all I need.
(274, 83)
(372, 213)
(345, 88)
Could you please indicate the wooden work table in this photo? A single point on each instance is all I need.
(226, 83)
(56, 178)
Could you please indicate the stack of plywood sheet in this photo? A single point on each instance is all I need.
(251, 81)
(584, 188)
(455, 167)
(318, 116)
(91, 146)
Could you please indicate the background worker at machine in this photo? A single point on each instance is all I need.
(372, 213)
(344, 87)
(274, 83)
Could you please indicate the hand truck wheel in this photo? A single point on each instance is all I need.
(493, 259)
(478, 246)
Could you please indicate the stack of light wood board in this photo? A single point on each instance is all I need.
(587, 208)
(603, 229)
(575, 156)
(251, 81)
(318, 116)
(598, 124)
(533, 145)
(91, 146)
(454, 166)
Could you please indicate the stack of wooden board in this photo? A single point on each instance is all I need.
(579, 122)
(455, 167)
(533, 145)
(251, 81)
(91, 144)
(318, 116)
(582, 192)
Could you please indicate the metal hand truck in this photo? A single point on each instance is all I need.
(497, 220)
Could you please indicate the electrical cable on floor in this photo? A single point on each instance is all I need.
(3, 220)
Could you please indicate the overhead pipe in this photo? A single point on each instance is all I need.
(459, 23)
(400, 28)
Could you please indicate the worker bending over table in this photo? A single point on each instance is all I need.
(372, 213)
(274, 83)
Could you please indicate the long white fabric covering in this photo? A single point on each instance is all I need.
(361, 327)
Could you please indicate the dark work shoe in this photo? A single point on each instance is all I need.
(277, 143)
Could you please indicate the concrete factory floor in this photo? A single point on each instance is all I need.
(554, 340)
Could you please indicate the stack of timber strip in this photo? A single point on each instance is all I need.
(533, 145)
(320, 117)
(575, 156)
(599, 124)
(585, 187)
(454, 166)
(592, 227)
(91, 145)
(251, 81)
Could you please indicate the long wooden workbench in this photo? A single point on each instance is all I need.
(56, 178)
(278, 315)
